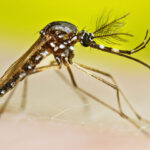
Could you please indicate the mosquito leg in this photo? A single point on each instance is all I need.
(122, 114)
(118, 89)
(53, 65)
(128, 52)
(124, 53)
(138, 48)
(43, 68)
(115, 83)
(23, 103)
(115, 86)
(24, 95)
(74, 88)
(2, 109)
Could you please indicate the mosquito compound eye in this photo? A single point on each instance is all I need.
(85, 38)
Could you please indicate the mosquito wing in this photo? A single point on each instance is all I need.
(14, 68)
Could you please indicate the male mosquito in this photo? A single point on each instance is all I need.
(58, 38)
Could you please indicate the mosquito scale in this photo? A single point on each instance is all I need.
(58, 38)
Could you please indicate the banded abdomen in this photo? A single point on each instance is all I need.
(26, 69)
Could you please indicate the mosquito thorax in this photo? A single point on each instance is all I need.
(63, 37)
(85, 38)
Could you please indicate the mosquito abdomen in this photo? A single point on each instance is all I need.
(26, 69)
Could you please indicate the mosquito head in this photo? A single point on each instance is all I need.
(85, 38)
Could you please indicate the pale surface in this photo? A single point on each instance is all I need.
(18, 133)
(81, 125)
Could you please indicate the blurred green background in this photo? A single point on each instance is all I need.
(20, 22)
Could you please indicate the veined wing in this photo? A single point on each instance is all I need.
(14, 68)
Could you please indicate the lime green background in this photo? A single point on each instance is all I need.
(20, 21)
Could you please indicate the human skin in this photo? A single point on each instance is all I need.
(18, 132)
(45, 125)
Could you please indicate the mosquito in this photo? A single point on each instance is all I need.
(58, 38)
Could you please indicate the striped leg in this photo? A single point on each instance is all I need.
(128, 52)
(138, 48)
(125, 53)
